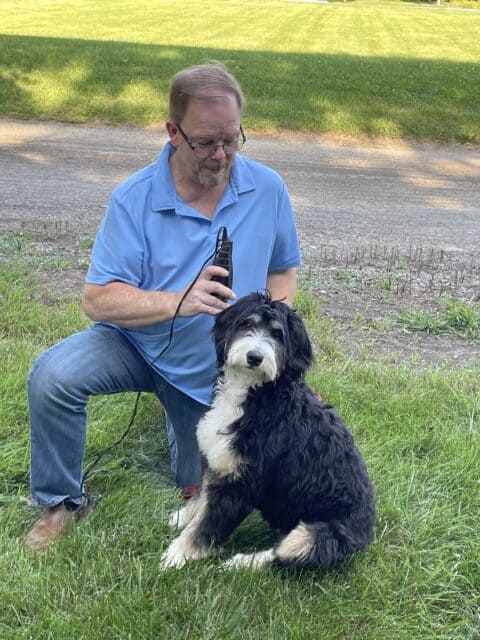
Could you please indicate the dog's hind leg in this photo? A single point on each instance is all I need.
(317, 544)
(256, 560)
(296, 549)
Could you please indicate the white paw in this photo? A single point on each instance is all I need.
(238, 560)
(173, 557)
(250, 560)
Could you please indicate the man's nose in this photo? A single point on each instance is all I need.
(219, 152)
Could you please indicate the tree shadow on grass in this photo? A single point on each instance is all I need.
(117, 82)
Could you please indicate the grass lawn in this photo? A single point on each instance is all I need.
(392, 69)
(418, 430)
(395, 69)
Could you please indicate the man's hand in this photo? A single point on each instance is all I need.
(202, 298)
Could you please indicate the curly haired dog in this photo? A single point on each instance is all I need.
(271, 444)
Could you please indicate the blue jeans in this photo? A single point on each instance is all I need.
(97, 361)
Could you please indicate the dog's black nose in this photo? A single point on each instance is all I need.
(254, 358)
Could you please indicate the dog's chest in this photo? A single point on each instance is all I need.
(213, 433)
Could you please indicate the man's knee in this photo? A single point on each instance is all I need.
(52, 375)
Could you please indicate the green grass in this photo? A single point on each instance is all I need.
(418, 430)
(395, 69)
(454, 316)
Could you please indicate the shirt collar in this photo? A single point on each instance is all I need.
(163, 189)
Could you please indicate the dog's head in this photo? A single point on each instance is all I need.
(262, 336)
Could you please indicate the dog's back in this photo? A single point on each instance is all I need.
(307, 470)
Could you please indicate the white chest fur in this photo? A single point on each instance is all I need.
(213, 433)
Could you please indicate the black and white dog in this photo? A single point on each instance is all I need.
(270, 443)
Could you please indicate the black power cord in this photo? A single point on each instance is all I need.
(222, 246)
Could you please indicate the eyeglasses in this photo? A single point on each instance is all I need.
(206, 150)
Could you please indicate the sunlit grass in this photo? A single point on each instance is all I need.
(361, 68)
(419, 432)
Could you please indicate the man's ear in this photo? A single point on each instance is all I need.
(172, 132)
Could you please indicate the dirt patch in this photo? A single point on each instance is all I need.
(362, 288)
(365, 289)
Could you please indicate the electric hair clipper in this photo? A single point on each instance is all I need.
(223, 258)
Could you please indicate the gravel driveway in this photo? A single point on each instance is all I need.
(383, 227)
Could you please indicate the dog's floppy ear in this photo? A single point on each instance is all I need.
(226, 321)
(301, 352)
(220, 334)
(224, 325)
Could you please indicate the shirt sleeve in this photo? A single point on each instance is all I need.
(286, 249)
(118, 250)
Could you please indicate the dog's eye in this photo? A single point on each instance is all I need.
(277, 334)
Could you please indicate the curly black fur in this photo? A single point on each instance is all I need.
(294, 458)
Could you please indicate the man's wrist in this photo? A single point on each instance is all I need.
(171, 302)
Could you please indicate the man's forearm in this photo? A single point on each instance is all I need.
(128, 306)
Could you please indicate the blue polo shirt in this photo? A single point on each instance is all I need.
(151, 239)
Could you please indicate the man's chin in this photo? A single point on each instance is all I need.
(210, 179)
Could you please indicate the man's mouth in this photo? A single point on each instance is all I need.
(216, 168)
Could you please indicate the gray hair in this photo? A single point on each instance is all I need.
(200, 82)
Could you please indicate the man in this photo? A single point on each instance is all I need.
(160, 228)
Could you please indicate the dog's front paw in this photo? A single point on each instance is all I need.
(177, 520)
(173, 557)
(181, 517)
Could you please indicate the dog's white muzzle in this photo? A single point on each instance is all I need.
(254, 352)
